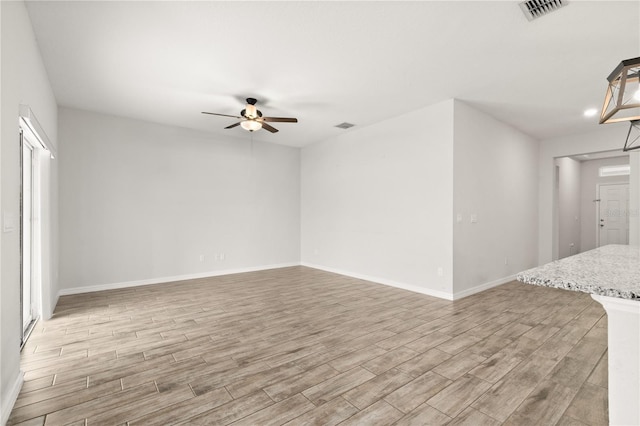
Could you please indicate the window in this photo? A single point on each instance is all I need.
(621, 170)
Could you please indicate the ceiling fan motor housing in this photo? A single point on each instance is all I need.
(244, 113)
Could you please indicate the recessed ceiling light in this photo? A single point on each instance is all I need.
(590, 112)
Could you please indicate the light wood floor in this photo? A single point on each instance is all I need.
(301, 346)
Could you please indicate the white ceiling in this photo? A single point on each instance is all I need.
(329, 62)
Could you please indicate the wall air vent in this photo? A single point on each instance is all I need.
(344, 125)
(534, 9)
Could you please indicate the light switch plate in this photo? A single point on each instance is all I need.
(474, 218)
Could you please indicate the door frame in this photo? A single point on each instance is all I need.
(44, 169)
(598, 185)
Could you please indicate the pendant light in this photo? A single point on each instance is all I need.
(622, 100)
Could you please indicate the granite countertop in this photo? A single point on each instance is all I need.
(612, 270)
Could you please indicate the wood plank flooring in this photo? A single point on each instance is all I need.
(299, 346)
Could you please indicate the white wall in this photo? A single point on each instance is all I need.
(24, 81)
(608, 137)
(494, 178)
(569, 206)
(634, 198)
(377, 201)
(142, 201)
(590, 178)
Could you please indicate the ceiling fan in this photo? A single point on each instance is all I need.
(251, 118)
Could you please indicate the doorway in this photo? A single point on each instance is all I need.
(613, 217)
(28, 288)
(577, 206)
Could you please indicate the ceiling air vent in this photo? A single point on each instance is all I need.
(344, 125)
(534, 9)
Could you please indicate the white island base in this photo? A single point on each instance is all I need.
(612, 275)
(623, 318)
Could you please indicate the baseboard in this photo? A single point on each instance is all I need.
(384, 281)
(483, 287)
(161, 280)
(377, 280)
(9, 400)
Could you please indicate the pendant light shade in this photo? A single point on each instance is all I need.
(251, 125)
(622, 100)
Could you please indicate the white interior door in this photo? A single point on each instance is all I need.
(613, 218)
(27, 234)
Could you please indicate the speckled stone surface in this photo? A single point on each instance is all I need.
(612, 270)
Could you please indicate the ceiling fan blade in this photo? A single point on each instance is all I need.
(222, 115)
(269, 128)
(233, 125)
(279, 119)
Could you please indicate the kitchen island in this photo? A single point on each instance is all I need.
(611, 274)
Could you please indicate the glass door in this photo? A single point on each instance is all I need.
(26, 240)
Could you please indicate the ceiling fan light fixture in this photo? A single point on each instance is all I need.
(251, 125)
(622, 100)
(251, 119)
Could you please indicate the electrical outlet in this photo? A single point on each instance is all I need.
(459, 218)
(202, 258)
(440, 272)
(221, 256)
